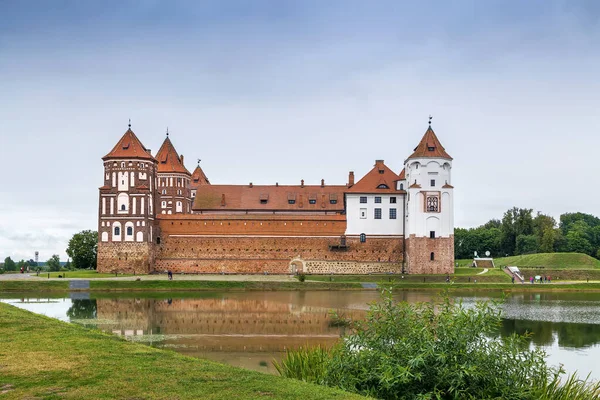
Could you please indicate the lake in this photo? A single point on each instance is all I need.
(250, 329)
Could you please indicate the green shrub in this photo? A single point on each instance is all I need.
(305, 364)
(301, 277)
(437, 350)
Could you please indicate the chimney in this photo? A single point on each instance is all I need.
(181, 158)
(377, 162)
(149, 151)
(250, 185)
(351, 179)
(302, 183)
(223, 199)
(322, 182)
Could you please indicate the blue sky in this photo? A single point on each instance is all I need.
(276, 91)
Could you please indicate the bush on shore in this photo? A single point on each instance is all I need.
(433, 350)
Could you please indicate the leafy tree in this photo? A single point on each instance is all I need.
(54, 263)
(83, 249)
(578, 238)
(9, 264)
(21, 264)
(526, 244)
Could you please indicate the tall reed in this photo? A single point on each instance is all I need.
(306, 364)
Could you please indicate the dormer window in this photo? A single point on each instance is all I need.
(291, 201)
(263, 201)
(383, 186)
(431, 148)
(381, 171)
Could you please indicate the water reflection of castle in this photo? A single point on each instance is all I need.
(223, 324)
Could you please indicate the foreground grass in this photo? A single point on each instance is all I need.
(72, 362)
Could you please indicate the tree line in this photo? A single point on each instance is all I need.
(82, 250)
(520, 231)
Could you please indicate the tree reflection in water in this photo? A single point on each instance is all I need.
(83, 309)
(569, 334)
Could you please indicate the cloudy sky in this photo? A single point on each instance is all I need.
(278, 91)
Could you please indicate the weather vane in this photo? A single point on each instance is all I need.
(167, 131)
(130, 122)
(199, 162)
(430, 118)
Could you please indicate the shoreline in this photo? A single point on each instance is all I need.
(23, 286)
(60, 359)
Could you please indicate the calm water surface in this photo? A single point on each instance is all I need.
(250, 329)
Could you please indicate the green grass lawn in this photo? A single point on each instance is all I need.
(80, 273)
(72, 362)
(546, 260)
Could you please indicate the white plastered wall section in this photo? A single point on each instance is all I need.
(420, 222)
(356, 224)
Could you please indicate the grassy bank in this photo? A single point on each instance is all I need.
(69, 361)
(187, 285)
(461, 275)
(543, 260)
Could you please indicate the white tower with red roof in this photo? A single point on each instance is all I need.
(429, 233)
(126, 227)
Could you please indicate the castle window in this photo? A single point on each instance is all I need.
(363, 238)
(164, 191)
(402, 186)
(431, 148)
(432, 256)
(381, 171)
(377, 199)
(433, 183)
(432, 204)
(263, 201)
(378, 213)
(129, 231)
(363, 213)
(363, 199)
(291, 201)
(117, 231)
(431, 234)
(392, 213)
(312, 201)
(123, 207)
(392, 200)
(333, 201)
(122, 165)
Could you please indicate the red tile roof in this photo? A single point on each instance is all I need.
(274, 198)
(199, 178)
(430, 146)
(402, 175)
(380, 179)
(169, 160)
(129, 146)
(447, 186)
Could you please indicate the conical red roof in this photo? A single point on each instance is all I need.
(430, 147)
(129, 146)
(199, 178)
(169, 160)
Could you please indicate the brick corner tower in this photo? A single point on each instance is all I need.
(126, 210)
(430, 208)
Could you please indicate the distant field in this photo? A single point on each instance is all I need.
(545, 260)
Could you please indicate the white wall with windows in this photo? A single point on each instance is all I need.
(430, 203)
(374, 214)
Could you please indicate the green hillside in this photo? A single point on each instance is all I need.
(550, 260)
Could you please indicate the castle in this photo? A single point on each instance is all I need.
(154, 215)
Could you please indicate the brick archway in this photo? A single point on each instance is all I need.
(297, 266)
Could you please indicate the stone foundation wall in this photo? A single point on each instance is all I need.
(274, 255)
(352, 267)
(418, 252)
(125, 257)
